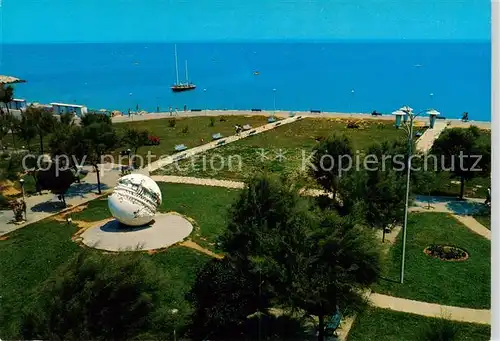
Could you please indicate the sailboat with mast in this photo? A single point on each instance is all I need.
(178, 86)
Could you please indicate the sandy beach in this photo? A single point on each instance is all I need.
(284, 114)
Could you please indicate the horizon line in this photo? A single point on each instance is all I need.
(270, 40)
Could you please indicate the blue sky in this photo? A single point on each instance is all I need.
(25, 21)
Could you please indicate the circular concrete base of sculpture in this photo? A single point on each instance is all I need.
(165, 230)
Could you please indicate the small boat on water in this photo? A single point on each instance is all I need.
(178, 86)
(256, 73)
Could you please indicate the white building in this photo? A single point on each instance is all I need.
(62, 108)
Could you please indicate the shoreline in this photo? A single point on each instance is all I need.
(285, 114)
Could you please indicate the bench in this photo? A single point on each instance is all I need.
(375, 113)
(271, 119)
(193, 110)
(315, 111)
(247, 127)
(221, 142)
(180, 147)
(252, 132)
(180, 157)
(443, 118)
(216, 136)
(277, 124)
(298, 117)
(334, 323)
(256, 109)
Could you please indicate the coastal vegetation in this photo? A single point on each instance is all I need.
(270, 213)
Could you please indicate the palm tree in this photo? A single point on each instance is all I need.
(43, 120)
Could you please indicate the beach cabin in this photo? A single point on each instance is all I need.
(17, 104)
(62, 108)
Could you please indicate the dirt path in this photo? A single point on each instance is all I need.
(192, 245)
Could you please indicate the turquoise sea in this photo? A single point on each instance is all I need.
(451, 77)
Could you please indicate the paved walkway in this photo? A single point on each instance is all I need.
(425, 142)
(481, 316)
(218, 143)
(286, 113)
(461, 210)
(45, 205)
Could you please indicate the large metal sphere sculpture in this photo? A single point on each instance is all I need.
(134, 200)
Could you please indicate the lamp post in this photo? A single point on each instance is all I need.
(128, 157)
(205, 99)
(24, 199)
(274, 101)
(411, 116)
(352, 100)
(174, 311)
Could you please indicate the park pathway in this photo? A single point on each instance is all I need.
(461, 210)
(218, 143)
(46, 205)
(458, 209)
(43, 206)
(425, 142)
(481, 316)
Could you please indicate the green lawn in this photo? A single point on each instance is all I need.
(474, 188)
(31, 254)
(387, 325)
(293, 141)
(463, 284)
(198, 128)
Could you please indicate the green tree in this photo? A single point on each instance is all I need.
(91, 118)
(385, 189)
(25, 128)
(101, 139)
(43, 120)
(223, 297)
(69, 142)
(135, 139)
(303, 259)
(102, 297)
(5, 125)
(6, 96)
(66, 120)
(426, 183)
(465, 153)
(57, 178)
(328, 160)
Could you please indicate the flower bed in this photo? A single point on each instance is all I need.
(446, 252)
(153, 140)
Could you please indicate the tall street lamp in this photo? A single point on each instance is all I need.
(24, 198)
(205, 99)
(274, 101)
(174, 312)
(409, 112)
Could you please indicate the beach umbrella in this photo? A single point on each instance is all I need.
(406, 109)
(433, 112)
